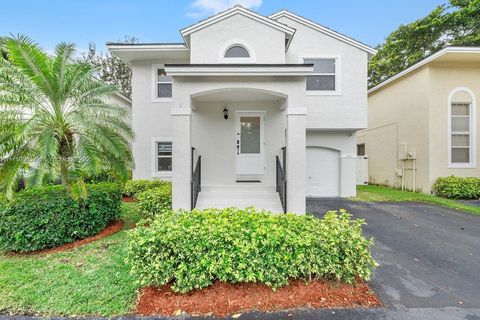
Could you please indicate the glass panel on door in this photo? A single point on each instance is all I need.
(249, 135)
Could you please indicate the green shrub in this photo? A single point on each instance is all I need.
(457, 187)
(193, 249)
(104, 176)
(155, 201)
(48, 216)
(133, 187)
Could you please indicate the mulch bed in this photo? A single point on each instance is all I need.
(129, 199)
(222, 299)
(108, 231)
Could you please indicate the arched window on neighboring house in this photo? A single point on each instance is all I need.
(462, 129)
(237, 51)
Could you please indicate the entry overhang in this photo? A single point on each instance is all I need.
(238, 69)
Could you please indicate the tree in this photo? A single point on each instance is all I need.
(455, 24)
(112, 69)
(55, 122)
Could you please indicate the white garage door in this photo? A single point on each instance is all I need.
(323, 172)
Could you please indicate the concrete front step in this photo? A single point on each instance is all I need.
(240, 196)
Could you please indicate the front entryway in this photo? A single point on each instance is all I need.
(250, 144)
(323, 172)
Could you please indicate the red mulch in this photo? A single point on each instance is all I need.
(129, 199)
(108, 231)
(222, 299)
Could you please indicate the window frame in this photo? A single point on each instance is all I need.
(155, 82)
(232, 43)
(240, 46)
(472, 132)
(154, 158)
(337, 74)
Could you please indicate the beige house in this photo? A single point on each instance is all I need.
(422, 123)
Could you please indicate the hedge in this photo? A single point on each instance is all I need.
(47, 217)
(133, 187)
(155, 201)
(193, 249)
(457, 187)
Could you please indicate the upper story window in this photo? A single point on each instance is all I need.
(237, 51)
(162, 85)
(323, 80)
(462, 128)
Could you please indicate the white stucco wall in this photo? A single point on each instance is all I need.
(208, 44)
(150, 120)
(348, 109)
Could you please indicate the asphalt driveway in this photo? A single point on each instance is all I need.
(429, 256)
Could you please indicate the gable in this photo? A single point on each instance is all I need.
(265, 44)
(237, 10)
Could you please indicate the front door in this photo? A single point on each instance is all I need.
(250, 143)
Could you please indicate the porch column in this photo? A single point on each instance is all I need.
(296, 159)
(181, 158)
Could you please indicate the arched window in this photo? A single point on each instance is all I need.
(462, 129)
(237, 51)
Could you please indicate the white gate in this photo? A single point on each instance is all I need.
(362, 170)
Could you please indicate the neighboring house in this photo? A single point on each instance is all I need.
(255, 97)
(422, 123)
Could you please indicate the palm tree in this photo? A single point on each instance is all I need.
(55, 119)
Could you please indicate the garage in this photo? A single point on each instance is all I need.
(323, 172)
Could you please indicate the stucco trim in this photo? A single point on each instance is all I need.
(238, 70)
(473, 136)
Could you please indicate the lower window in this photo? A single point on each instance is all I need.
(460, 135)
(163, 156)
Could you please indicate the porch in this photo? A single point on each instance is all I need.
(238, 152)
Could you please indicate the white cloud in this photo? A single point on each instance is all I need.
(203, 8)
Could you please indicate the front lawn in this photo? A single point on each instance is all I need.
(379, 194)
(90, 280)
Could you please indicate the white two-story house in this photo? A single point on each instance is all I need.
(249, 111)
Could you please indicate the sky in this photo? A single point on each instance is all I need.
(49, 22)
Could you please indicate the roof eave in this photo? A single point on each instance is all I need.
(423, 62)
(285, 13)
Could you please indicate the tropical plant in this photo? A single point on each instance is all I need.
(3, 53)
(55, 121)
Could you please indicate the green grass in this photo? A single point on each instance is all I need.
(92, 279)
(379, 194)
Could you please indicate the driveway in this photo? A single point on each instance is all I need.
(429, 256)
